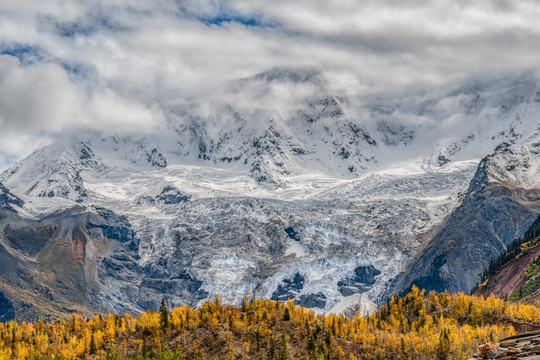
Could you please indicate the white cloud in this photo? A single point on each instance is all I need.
(110, 112)
(36, 98)
(129, 61)
(17, 146)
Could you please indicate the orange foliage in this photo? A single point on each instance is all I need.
(418, 325)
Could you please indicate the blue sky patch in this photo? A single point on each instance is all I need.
(73, 69)
(224, 18)
(87, 26)
(27, 54)
(73, 29)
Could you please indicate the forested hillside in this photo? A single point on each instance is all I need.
(515, 274)
(416, 326)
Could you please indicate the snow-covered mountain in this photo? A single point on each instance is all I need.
(282, 188)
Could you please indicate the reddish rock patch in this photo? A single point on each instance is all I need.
(510, 277)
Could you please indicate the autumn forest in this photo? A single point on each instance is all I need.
(418, 325)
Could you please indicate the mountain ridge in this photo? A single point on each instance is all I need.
(264, 202)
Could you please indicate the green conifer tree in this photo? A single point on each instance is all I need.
(92, 344)
(272, 352)
(284, 354)
(287, 314)
(164, 315)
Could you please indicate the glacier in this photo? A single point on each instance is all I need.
(334, 202)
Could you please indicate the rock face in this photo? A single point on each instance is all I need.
(511, 277)
(364, 277)
(502, 202)
(516, 273)
(7, 312)
(47, 265)
(523, 346)
(333, 205)
(8, 200)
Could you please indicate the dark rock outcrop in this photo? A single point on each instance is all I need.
(7, 312)
(289, 288)
(364, 277)
(8, 200)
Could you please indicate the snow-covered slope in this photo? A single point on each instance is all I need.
(332, 201)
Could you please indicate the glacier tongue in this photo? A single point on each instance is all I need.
(191, 232)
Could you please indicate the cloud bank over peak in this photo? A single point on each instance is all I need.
(126, 65)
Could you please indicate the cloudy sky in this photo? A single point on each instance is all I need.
(120, 65)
